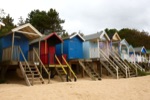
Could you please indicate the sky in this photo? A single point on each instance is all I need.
(87, 16)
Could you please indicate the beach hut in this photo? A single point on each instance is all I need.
(45, 46)
(124, 49)
(140, 54)
(95, 42)
(148, 55)
(114, 41)
(132, 56)
(14, 48)
(72, 47)
(17, 37)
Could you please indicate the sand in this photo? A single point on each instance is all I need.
(137, 88)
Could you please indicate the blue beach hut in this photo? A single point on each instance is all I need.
(17, 38)
(72, 47)
(140, 54)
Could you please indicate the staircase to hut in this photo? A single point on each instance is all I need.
(31, 73)
(62, 70)
(111, 65)
(121, 66)
(88, 68)
(130, 68)
(139, 67)
(145, 65)
(30, 70)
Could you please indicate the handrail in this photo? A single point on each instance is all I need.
(24, 74)
(105, 56)
(117, 59)
(139, 67)
(42, 64)
(61, 65)
(26, 62)
(120, 58)
(145, 60)
(112, 64)
(69, 67)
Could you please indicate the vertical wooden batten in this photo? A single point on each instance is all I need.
(39, 46)
(98, 47)
(13, 35)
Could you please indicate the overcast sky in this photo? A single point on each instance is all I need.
(88, 16)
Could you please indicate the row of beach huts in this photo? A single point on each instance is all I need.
(93, 55)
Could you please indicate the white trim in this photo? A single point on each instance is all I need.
(124, 42)
(25, 25)
(76, 35)
(104, 33)
(117, 36)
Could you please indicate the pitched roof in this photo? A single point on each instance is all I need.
(45, 37)
(124, 42)
(114, 36)
(72, 36)
(98, 35)
(27, 29)
(140, 49)
(131, 49)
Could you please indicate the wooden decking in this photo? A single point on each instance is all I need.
(55, 65)
(9, 63)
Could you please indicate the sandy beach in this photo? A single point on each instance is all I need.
(137, 88)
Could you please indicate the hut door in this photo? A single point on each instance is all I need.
(73, 51)
(51, 54)
(103, 47)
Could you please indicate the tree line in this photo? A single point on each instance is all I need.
(133, 36)
(45, 22)
(48, 22)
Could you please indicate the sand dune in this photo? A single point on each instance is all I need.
(137, 88)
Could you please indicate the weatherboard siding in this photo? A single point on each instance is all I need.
(71, 47)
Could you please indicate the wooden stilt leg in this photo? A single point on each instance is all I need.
(3, 72)
(100, 68)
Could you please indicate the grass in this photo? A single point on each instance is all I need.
(142, 73)
(2, 81)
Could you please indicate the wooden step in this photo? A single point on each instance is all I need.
(89, 70)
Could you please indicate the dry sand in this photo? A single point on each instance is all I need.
(137, 88)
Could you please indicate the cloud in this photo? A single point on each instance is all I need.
(88, 16)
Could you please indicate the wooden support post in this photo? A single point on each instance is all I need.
(99, 66)
(77, 68)
(32, 78)
(49, 76)
(3, 72)
(70, 71)
(82, 72)
(98, 48)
